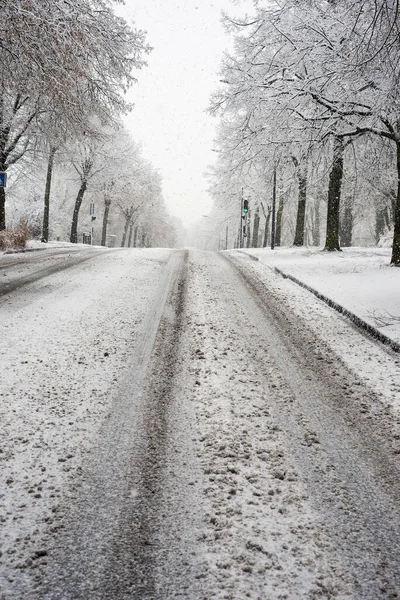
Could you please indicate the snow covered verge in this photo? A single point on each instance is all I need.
(34, 245)
(63, 344)
(360, 280)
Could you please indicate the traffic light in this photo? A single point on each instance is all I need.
(245, 206)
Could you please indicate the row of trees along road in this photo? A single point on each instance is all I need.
(64, 70)
(311, 97)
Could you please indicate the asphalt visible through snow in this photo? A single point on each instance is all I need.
(240, 458)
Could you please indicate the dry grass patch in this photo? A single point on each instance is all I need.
(14, 237)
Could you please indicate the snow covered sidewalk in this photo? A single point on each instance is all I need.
(360, 280)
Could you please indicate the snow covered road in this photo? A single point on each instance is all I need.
(183, 424)
(22, 268)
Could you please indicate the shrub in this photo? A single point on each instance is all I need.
(15, 237)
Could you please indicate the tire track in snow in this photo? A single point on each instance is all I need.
(111, 543)
(63, 260)
(263, 539)
(356, 483)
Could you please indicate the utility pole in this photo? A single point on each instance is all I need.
(273, 209)
(92, 218)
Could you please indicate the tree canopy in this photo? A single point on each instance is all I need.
(305, 75)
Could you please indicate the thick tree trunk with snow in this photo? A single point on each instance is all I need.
(273, 209)
(301, 211)
(46, 211)
(130, 235)
(107, 204)
(78, 204)
(256, 227)
(266, 230)
(135, 235)
(3, 167)
(301, 205)
(127, 221)
(334, 191)
(266, 225)
(395, 260)
(279, 213)
(316, 230)
(2, 209)
(346, 226)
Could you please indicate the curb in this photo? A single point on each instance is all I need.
(23, 250)
(248, 255)
(372, 331)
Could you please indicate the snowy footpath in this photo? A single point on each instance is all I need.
(193, 425)
(358, 279)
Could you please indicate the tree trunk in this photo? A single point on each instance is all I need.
(248, 231)
(334, 191)
(135, 235)
(279, 213)
(78, 203)
(395, 260)
(256, 226)
(301, 210)
(273, 227)
(316, 233)
(46, 212)
(107, 204)
(266, 229)
(267, 217)
(130, 235)
(127, 219)
(143, 239)
(2, 190)
(2, 209)
(346, 226)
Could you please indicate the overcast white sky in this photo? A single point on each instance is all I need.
(173, 94)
